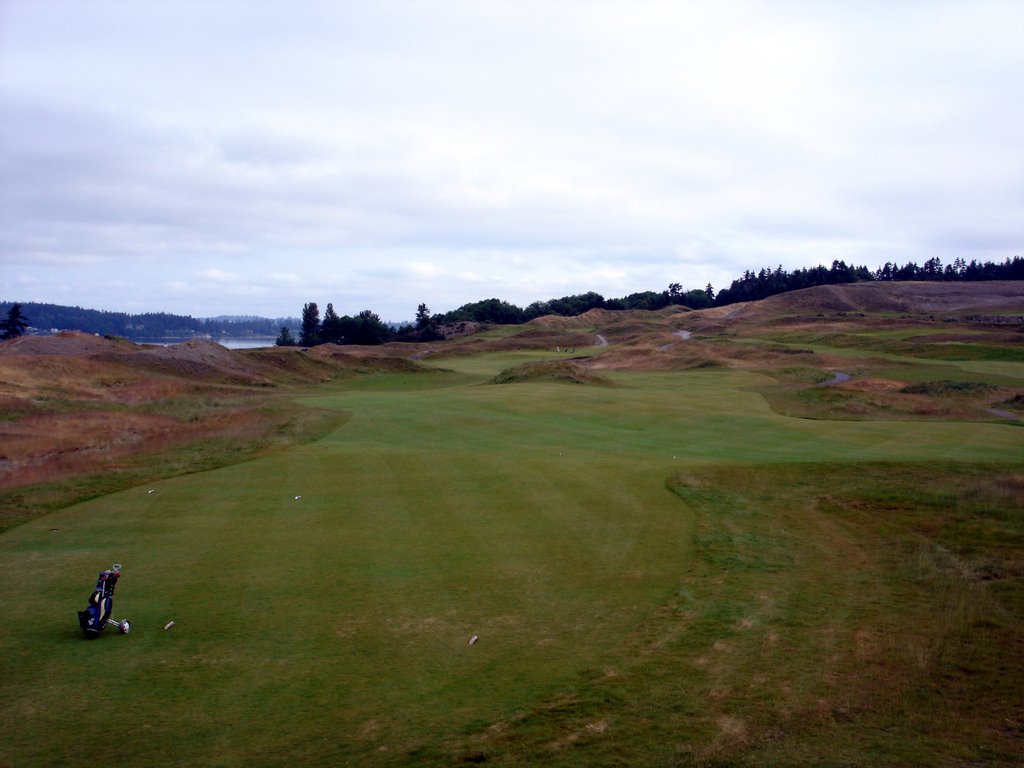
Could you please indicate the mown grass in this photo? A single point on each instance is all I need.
(663, 572)
(816, 624)
(910, 343)
(368, 588)
(225, 431)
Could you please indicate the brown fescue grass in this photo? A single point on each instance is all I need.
(796, 393)
(552, 370)
(73, 458)
(33, 439)
(82, 415)
(108, 414)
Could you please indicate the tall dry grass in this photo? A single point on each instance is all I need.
(51, 460)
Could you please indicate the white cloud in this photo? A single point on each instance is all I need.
(382, 155)
(217, 276)
(422, 269)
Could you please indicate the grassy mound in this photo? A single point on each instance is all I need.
(564, 371)
(363, 360)
(946, 387)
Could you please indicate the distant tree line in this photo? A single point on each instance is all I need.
(753, 286)
(501, 312)
(769, 282)
(367, 328)
(959, 269)
(47, 317)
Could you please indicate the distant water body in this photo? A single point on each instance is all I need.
(249, 342)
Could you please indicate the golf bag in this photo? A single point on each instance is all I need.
(96, 616)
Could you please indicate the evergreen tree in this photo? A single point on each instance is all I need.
(932, 269)
(649, 300)
(422, 316)
(696, 299)
(366, 328)
(487, 311)
(284, 338)
(331, 331)
(15, 324)
(309, 336)
(370, 329)
(426, 327)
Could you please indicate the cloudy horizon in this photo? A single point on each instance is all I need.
(238, 158)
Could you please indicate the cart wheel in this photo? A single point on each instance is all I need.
(125, 627)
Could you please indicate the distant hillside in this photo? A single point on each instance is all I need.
(752, 286)
(46, 318)
(947, 300)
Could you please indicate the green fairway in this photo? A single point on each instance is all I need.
(324, 597)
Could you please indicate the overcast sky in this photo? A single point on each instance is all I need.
(217, 157)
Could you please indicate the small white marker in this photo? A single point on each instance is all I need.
(473, 639)
(151, 490)
(168, 625)
(298, 498)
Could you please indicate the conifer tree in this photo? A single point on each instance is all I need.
(284, 338)
(309, 336)
(15, 324)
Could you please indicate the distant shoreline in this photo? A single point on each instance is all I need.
(230, 342)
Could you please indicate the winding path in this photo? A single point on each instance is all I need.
(838, 377)
(684, 335)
